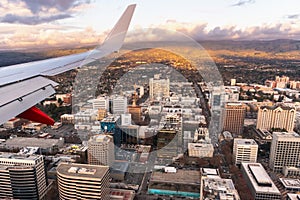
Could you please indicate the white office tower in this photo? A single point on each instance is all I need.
(159, 88)
(101, 150)
(22, 176)
(244, 150)
(285, 150)
(101, 103)
(119, 105)
(260, 184)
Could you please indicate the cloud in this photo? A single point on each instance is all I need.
(244, 2)
(203, 32)
(55, 35)
(32, 20)
(295, 16)
(32, 12)
(43, 36)
(36, 6)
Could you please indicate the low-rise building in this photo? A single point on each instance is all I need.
(291, 196)
(46, 145)
(184, 183)
(290, 184)
(218, 189)
(120, 194)
(260, 184)
(200, 150)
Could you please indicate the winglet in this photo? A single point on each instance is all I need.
(115, 38)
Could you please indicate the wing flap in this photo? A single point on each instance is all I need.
(31, 91)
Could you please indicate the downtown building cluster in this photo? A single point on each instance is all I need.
(132, 144)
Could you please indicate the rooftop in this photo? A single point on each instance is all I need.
(221, 187)
(111, 119)
(290, 183)
(210, 171)
(5, 155)
(94, 172)
(20, 142)
(259, 178)
(286, 135)
(119, 166)
(101, 138)
(119, 194)
(245, 141)
(283, 107)
(293, 196)
(189, 177)
(200, 146)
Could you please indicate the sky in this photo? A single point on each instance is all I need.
(45, 23)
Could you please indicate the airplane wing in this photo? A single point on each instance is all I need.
(23, 85)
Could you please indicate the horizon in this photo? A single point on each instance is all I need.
(25, 24)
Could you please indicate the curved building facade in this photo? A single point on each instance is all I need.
(22, 176)
(81, 181)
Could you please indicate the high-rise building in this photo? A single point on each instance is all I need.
(159, 88)
(232, 82)
(101, 150)
(101, 103)
(22, 176)
(167, 143)
(244, 150)
(285, 150)
(232, 93)
(260, 184)
(281, 82)
(111, 125)
(130, 134)
(119, 105)
(234, 117)
(81, 181)
(278, 116)
(136, 113)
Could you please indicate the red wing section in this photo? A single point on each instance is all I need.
(36, 115)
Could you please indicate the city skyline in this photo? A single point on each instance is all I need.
(81, 22)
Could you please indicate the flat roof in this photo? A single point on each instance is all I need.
(6, 155)
(293, 196)
(120, 194)
(101, 138)
(19, 142)
(244, 141)
(286, 135)
(119, 166)
(259, 178)
(290, 183)
(260, 175)
(189, 177)
(200, 146)
(94, 172)
(210, 171)
(224, 187)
